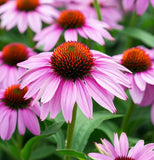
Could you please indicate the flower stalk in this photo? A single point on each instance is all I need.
(127, 116)
(97, 8)
(70, 130)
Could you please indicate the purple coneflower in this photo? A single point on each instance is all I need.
(110, 10)
(72, 22)
(139, 61)
(121, 151)
(15, 109)
(73, 73)
(24, 13)
(10, 55)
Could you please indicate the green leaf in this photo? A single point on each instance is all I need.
(139, 34)
(69, 152)
(84, 127)
(42, 152)
(27, 150)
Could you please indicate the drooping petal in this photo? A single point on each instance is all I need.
(68, 99)
(108, 84)
(70, 35)
(99, 94)
(21, 124)
(22, 22)
(139, 81)
(34, 21)
(31, 121)
(51, 88)
(141, 6)
(136, 93)
(83, 98)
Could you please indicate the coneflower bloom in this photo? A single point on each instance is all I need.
(139, 5)
(26, 13)
(139, 61)
(110, 10)
(16, 110)
(73, 73)
(72, 22)
(10, 55)
(120, 150)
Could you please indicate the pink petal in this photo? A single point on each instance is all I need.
(127, 4)
(12, 123)
(83, 98)
(68, 99)
(51, 89)
(22, 22)
(99, 94)
(136, 149)
(141, 6)
(108, 84)
(139, 81)
(31, 121)
(110, 148)
(99, 156)
(136, 93)
(44, 111)
(152, 2)
(21, 124)
(116, 144)
(82, 33)
(124, 146)
(55, 102)
(71, 35)
(93, 34)
(148, 76)
(34, 21)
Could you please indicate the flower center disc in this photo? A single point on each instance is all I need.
(14, 97)
(124, 158)
(71, 19)
(72, 60)
(3, 1)
(27, 5)
(136, 60)
(14, 53)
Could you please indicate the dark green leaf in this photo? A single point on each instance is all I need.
(31, 143)
(84, 127)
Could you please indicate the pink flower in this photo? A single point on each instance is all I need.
(139, 5)
(72, 22)
(121, 151)
(15, 109)
(139, 61)
(10, 55)
(24, 13)
(110, 10)
(73, 73)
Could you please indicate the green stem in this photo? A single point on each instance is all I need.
(127, 116)
(97, 8)
(70, 130)
(30, 37)
(133, 21)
